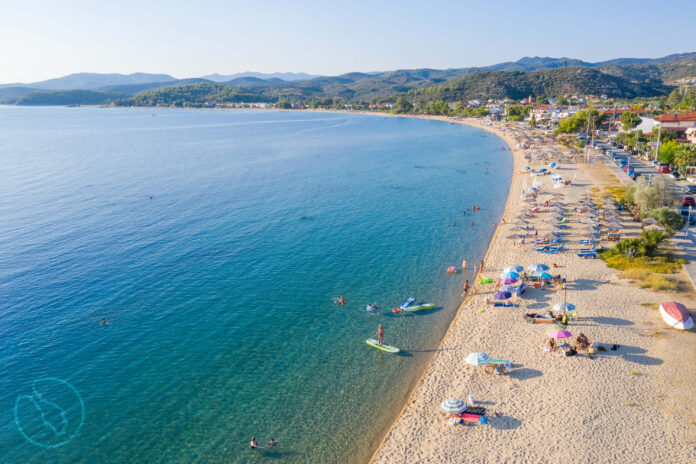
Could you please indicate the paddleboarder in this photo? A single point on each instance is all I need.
(380, 334)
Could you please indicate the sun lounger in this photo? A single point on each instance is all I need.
(589, 250)
(507, 304)
(587, 242)
(544, 248)
(588, 255)
(555, 250)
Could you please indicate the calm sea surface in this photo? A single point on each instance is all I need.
(214, 242)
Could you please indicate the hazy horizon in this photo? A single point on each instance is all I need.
(41, 40)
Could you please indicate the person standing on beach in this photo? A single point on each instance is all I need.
(380, 334)
(466, 288)
(481, 266)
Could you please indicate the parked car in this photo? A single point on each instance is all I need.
(688, 201)
(629, 170)
(619, 146)
(685, 212)
(676, 175)
(663, 168)
(635, 175)
(690, 188)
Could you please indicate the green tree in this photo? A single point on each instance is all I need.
(684, 155)
(651, 196)
(402, 105)
(532, 122)
(562, 100)
(667, 150)
(629, 120)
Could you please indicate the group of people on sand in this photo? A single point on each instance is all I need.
(582, 343)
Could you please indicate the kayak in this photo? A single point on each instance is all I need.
(383, 347)
(407, 302)
(422, 307)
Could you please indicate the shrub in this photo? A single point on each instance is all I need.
(670, 219)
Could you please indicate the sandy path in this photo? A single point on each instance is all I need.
(636, 404)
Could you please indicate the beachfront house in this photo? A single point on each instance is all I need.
(691, 135)
(677, 122)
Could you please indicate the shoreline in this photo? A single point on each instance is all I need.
(414, 388)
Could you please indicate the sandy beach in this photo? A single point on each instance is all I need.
(632, 404)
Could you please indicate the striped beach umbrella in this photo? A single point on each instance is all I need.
(477, 359)
(453, 406)
(517, 269)
(537, 267)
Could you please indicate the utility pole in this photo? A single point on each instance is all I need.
(657, 149)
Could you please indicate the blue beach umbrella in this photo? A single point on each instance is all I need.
(543, 275)
(517, 269)
(552, 165)
(537, 267)
(526, 168)
(477, 359)
(541, 170)
(509, 275)
(563, 307)
(453, 406)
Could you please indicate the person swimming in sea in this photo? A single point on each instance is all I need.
(341, 301)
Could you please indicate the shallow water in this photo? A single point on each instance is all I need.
(213, 242)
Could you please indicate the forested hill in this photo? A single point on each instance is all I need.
(548, 83)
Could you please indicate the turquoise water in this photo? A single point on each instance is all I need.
(218, 289)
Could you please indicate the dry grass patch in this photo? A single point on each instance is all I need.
(646, 279)
(653, 306)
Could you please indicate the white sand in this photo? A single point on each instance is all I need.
(636, 404)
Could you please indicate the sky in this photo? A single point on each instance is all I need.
(45, 39)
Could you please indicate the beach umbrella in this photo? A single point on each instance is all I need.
(541, 170)
(649, 221)
(613, 225)
(552, 165)
(477, 359)
(507, 281)
(517, 269)
(559, 333)
(453, 406)
(557, 178)
(526, 168)
(653, 227)
(510, 275)
(563, 307)
(537, 267)
(543, 275)
(508, 288)
(502, 295)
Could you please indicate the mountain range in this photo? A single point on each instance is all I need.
(622, 77)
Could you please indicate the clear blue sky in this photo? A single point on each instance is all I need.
(43, 39)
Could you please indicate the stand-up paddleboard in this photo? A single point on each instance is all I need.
(383, 347)
(422, 307)
(407, 302)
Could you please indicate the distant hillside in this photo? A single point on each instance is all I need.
(253, 82)
(548, 83)
(93, 81)
(666, 72)
(68, 97)
(9, 95)
(288, 76)
(132, 89)
(192, 95)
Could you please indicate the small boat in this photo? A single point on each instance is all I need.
(407, 302)
(451, 270)
(421, 307)
(676, 315)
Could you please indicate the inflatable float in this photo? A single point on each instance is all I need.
(451, 270)
(676, 315)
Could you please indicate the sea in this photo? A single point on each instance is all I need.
(168, 277)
